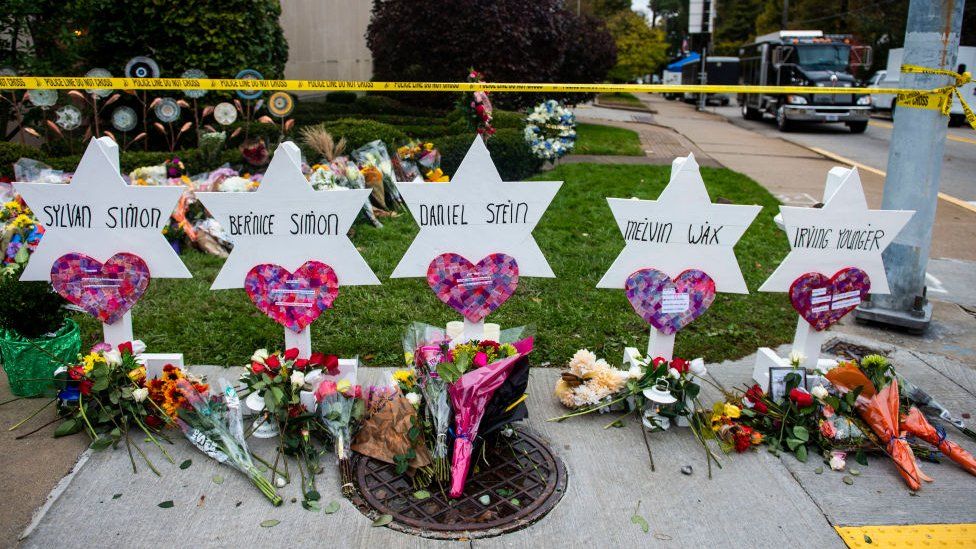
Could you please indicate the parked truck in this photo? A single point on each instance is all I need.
(804, 58)
(718, 70)
(888, 78)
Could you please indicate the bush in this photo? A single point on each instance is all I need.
(507, 40)
(589, 57)
(341, 97)
(11, 152)
(32, 309)
(358, 132)
(509, 151)
(194, 160)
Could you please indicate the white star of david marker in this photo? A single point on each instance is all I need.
(475, 215)
(844, 233)
(98, 215)
(286, 222)
(680, 230)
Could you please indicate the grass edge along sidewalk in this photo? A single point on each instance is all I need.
(577, 234)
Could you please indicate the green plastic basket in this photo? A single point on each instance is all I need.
(30, 363)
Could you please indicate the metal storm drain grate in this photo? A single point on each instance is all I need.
(523, 480)
(850, 351)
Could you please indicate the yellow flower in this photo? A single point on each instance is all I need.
(429, 146)
(404, 377)
(408, 358)
(732, 411)
(137, 374)
(23, 221)
(90, 360)
(13, 206)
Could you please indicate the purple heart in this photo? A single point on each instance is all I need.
(823, 301)
(473, 290)
(670, 305)
(104, 290)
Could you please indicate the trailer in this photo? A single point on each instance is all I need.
(673, 74)
(804, 58)
(718, 70)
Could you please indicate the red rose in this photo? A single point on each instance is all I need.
(488, 344)
(291, 354)
(743, 441)
(301, 364)
(659, 361)
(680, 364)
(317, 360)
(125, 348)
(295, 410)
(272, 362)
(85, 387)
(331, 364)
(760, 407)
(257, 367)
(76, 372)
(154, 421)
(801, 398)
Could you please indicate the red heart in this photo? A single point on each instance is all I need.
(104, 290)
(823, 301)
(670, 305)
(292, 300)
(473, 290)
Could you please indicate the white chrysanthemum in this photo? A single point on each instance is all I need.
(582, 362)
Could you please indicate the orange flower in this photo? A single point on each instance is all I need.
(172, 373)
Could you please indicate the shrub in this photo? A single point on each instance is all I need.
(32, 309)
(358, 132)
(11, 152)
(507, 40)
(589, 57)
(341, 97)
(194, 160)
(509, 151)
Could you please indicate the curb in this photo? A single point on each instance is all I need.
(56, 492)
(645, 110)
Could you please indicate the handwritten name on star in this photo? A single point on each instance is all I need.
(88, 216)
(663, 232)
(304, 223)
(493, 213)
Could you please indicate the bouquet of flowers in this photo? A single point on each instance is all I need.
(374, 161)
(550, 130)
(419, 160)
(215, 426)
(341, 408)
(21, 234)
(391, 430)
(477, 107)
(341, 174)
(284, 384)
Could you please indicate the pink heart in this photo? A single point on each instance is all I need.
(473, 290)
(823, 301)
(670, 305)
(104, 290)
(292, 300)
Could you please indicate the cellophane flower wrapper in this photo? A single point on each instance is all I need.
(375, 154)
(881, 414)
(469, 397)
(215, 427)
(916, 424)
(424, 342)
(347, 175)
(336, 410)
(502, 408)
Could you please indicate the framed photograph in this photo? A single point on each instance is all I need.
(777, 381)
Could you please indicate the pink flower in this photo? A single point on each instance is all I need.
(325, 389)
(101, 347)
(480, 359)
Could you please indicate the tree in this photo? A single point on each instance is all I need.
(735, 25)
(663, 9)
(603, 9)
(640, 48)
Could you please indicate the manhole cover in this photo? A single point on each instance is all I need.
(850, 351)
(522, 478)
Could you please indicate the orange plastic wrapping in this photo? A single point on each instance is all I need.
(881, 413)
(916, 424)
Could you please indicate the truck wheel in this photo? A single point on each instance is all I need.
(858, 127)
(784, 124)
(750, 113)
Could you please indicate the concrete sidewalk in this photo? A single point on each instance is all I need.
(755, 500)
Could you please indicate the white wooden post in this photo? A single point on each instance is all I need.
(300, 340)
(660, 345)
(473, 330)
(119, 331)
(808, 342)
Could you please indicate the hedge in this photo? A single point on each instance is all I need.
(358, 132)
(509, 151)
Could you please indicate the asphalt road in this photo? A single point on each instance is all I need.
(871, 147)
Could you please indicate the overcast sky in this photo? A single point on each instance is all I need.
(638, 5)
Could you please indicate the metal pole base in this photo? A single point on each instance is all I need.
(914, 322)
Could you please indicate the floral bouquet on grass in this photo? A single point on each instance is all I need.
(341, 174)
(281, 380)
(477, 106)
(341, 408)
(550, 130)
(374, 161)
(214, 425)
(657, 391)
(419, 160)
(21, 234)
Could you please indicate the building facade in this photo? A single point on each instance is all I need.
(327, 39)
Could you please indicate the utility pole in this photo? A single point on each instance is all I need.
(915, 165)
(786, 14)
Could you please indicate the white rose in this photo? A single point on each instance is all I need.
(259, 356)
(697, 367)
(413, 399)
(113, 357)
(297, 378)
(674, 374)
(140, 394)
(837, 462)
(819, 392)
(138, 347)
(797, 358)
(635, 372)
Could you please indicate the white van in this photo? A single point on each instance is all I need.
(888, 78)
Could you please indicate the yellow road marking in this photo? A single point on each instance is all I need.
(888, 126)
(836, 157)
(910, 535)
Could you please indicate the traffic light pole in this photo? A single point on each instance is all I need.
(915, 165)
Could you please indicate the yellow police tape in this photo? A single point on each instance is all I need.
(939, 98)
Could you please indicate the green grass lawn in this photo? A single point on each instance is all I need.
(597, 139)
(578, 236)
(620, 98)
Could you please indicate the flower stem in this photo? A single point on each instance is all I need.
(153, 439)
(28, 418)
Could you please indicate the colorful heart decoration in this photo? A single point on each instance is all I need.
(104, 290)
(823, 301)
(670, 305)
(473, 290)
(293, 300)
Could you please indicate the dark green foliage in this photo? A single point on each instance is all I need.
(31, 309)
(341, 97)
(194, 159)
(358, 132)
(10, 152)
(512, 156)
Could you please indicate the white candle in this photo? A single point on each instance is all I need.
(493, 332)
(455, 329)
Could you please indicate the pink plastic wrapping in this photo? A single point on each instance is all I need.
(469, 396)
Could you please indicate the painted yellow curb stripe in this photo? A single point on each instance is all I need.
(838, 158)
(912, 535)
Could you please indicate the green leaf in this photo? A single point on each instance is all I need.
(642, 522)
(413, 433)
(421, 494)
(332, 507)
(382, 520)
(22, 255)
(854, 472)
(311, 505)
(68, 427)
(861, 457)
(793, 444)
(270, 523)
(186, 464)
(217, 479)
(516, 502)
(867, 539)
(166, 504)
(313, 495)
(801, 453)
(848, 480)
(116, 496)
(801, 433)
(819, 470)
(101, 443)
